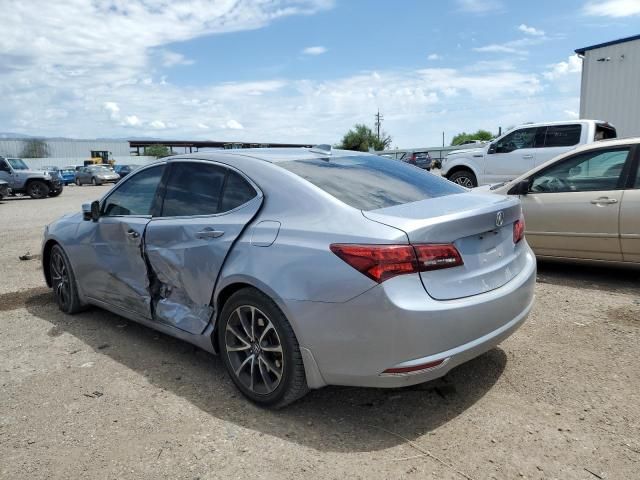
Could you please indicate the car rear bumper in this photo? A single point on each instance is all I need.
(397, 325)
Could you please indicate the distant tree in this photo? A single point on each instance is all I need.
(157, 151)
(34, 148)
(361, 138)
(479, 135)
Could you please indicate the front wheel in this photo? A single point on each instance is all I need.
(260, 351)
(464, 178)
(38, 189)
(63, 281)
(78, 182)
(94, 182)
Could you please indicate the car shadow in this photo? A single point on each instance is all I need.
(596, 277)
(340, 419)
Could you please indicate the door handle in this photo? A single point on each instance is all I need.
(527, 156)
(604, 201)
(132, 234)
(209, 233)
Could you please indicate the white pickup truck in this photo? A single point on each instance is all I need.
(520, 150)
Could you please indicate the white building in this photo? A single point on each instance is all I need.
(611, 84)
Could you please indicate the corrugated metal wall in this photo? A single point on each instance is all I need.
(68, 148)
(611, 86)
(36, 163)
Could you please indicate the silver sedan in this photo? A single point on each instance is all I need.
(96, 175)
(301, 267)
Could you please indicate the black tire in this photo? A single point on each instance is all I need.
(55, 193)
(94, 182)
(292, 383)
(38, 189)
(63, 281)
(465, 178)
(78, 182)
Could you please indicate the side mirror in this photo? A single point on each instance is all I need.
(492, 148)
(520, 188)
(95, 210)
(86, 211)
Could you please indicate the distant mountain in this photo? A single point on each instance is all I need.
(14, 135)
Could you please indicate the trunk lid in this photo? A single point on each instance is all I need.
(470, 221)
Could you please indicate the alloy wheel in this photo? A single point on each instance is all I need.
(60, 279)
(254, 350)
(464, 181)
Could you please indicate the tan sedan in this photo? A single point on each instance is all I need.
(584, 204)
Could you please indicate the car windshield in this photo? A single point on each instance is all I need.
(371, 182)
(17, 164)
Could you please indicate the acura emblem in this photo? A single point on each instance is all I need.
(499, 219)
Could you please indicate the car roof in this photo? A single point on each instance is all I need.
(271, 155)
(560, 122)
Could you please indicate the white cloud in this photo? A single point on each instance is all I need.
(317, 50)
(496, 48)
(561, 69)
(530, 30)
(234, 125)
(479, 6)
(131, 121)
(612, 8)
(171, 59)
(571, 114)
(434, 56)
(113, 109)
(203, 126)
(158, 125)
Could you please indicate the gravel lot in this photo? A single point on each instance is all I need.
(96, 396)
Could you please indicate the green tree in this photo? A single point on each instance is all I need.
(34, 148)
(157, 151)
(464, 136)
(361, 137)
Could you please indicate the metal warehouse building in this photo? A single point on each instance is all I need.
(611, 84)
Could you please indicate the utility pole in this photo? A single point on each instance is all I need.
(379, 119)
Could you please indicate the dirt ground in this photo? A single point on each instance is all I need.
(96, 396)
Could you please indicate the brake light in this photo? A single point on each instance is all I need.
(381, 262)
(518, 230)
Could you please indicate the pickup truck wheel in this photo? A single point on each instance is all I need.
(38, 189)
(464, 178)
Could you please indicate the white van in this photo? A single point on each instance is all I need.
(521, 149)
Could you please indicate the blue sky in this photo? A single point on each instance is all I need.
(295, 70)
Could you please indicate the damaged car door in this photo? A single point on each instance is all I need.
(114, 266)
(206, 206)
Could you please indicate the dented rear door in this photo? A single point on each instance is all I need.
(203, 214)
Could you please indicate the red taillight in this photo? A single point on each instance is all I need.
(518, 230)
(381, 262)
(415, 368)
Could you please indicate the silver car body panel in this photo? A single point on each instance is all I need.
(349, 327)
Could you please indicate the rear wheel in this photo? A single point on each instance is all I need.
(466, 178)
(63, 281)
(38, 189)
(260, 350)
(93, 181)
(78, 182)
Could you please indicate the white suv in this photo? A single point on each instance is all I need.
(521, 149)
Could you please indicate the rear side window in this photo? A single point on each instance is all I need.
(371, 182)
(237, 191)
(563, 135)
(136, 195)
(637, 185)
(605, 131)
(193, 189)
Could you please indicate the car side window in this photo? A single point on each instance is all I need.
(563, 135)
(4, 166)
(585, 172)
(637, 184)
(237, 191)
(522, 138)
(194, 188)
(134, 196)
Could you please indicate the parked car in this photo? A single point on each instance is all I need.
(96, 175)
(67, 174)
(301, 267)
(419, 159)
(4, 189)
(124, 170)
(520, 150)
(35, 183)
(585, 204)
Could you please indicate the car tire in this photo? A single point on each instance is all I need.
(94, 182)
(55, 193)
(464, 178)
(63, 281)
(38, 189)
(260, 351)
(78, 182)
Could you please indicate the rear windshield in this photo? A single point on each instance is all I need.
(371, 182)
